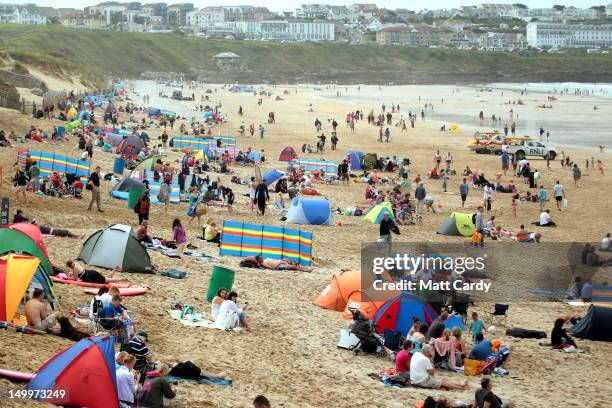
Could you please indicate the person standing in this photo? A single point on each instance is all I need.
(577, 174)
(488, 196)
(262, 197)
(464, 189)
(387, 135)
(505, 159)
(93, 184)
(559, 194)
(542, 197)
(420, 193)
(262, 130)
(386, 226)
(479, 219)
(179, 237)
(164, 193)
(34, 174)
(344, 172)
(143, 205)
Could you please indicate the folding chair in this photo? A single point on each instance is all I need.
(499, 315)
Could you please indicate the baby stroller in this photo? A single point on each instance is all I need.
(369, 340)
(74, 185)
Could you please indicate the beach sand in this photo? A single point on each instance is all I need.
(291, 354)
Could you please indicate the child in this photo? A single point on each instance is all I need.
(444, 181)
(514, 205)
(476, 325)
(600, 167)
(477, 239)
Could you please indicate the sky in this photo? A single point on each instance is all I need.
(290, 5)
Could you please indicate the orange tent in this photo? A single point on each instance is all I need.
(336, 294)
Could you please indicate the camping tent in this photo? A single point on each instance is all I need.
(272, 176)
(359, 300)
(17, 273)
(595, 325)
(369, 160)
(148, 163)
(132, 144)
(397, 314)
(375, 215)
(312, 211)
(458, 224)
(355, 158)
(115, 246)
(85, 372)
(336, 294)
(25, 238)
(128, 183)
(288, 154)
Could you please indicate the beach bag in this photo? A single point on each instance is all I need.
(472, 367)
(230, 322)
(565, 203)
(489, 365)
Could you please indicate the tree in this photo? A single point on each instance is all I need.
(520, 6)
(559, 7)
(601, 9)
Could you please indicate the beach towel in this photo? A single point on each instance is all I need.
(445, 348)
(196, 320)
(201, 380)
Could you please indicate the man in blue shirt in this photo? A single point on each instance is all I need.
(112, 314)
(420, 194)
(482, 349)
(463, 190)
(505, 158)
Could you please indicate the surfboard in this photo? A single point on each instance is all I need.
(88, 284)
(130, 291)
(16, 375)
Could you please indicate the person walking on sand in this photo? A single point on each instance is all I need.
(542, 197)
(463, 190)
(262, 130)
(559, 194)
(387, 135)
(93, 184)
(180, 238)
(577, 174)
(262, 197)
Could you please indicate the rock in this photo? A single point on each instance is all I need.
(37, 91)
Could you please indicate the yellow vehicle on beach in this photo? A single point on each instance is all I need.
(491, 142)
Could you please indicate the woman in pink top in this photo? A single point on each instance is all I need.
(180, 238)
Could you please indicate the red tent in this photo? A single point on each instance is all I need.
(288, 154)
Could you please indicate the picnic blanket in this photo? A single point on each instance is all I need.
(202, 380)
(196, 320)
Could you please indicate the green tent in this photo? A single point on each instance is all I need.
(458, 224)
(12, 240)
(369, 160)
(376, 214)
(115, 246)
(148, 163)
(72, 125)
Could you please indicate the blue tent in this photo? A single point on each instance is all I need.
(397, 314)
(355, 160)
(271, 176)
(85, 372)
(154, 111)
(454, 321)
(313, 211)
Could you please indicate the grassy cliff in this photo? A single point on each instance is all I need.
(95, 54)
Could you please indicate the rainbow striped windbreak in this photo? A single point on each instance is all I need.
(49, 162)
(241, 239)
(331, 168)
(200, 143)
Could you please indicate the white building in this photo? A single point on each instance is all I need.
(609, 10)
(239, 13)
(286, 30)
(80, 20)
(108, 11)
(206, 17)
(559, 35)
(374, 26)
(313, 11)
(19, 14)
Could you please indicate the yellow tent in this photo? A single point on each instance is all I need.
(16, 272)
(201, 156)
(71, 113)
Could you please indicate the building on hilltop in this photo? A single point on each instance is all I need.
(81, 20)
(560, 35)
(227, 61)
(20, 14)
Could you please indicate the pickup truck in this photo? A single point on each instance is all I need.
(532, 148)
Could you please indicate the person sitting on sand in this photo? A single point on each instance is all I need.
(211, 233)
(482, 348)
(89, 275)
(460, 348)
(142, 232)
(37, 315)
(228, 308)
(402, 360)
(559, 338)
(112, 315)
(46, 229)
(420, 336)
(217, 301)
(545, 220)
(486, 399)
(522, 235)
(422, 372)
(280, 264)
(156, 388)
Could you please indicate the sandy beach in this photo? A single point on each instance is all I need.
(291, 354)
